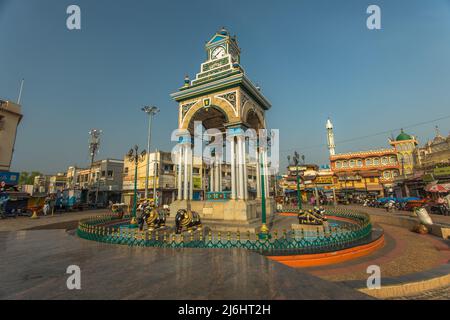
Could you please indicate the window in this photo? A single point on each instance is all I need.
(125, 170)
(103, 173)
(407, 158)
(338, 164)
(384, 161)
(372, 180)
(359, 163)
(393, 160)
(110, 173)
(352, 163)
(395, 173)
(344, 164)
(2, 123)
(369, 162)
(376, 161)
(387, 174)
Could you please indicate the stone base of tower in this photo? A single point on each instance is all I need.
(230, 215)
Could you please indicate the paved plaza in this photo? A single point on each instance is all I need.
(36, 253)
(33, 266)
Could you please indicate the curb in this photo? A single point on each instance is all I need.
(408, 285)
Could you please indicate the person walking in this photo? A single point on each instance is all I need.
(4, 197)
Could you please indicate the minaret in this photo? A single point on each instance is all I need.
(330, 137)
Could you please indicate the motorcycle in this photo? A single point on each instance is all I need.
(390, 206)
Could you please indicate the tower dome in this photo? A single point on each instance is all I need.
(403, 136)
(329, 125)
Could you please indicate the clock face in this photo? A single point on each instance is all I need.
(217, 53)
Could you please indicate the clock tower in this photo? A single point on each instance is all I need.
(227, 185)
(222, 58)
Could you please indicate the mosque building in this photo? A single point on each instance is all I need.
(368, 172)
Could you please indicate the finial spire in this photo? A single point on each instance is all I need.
(330, 137)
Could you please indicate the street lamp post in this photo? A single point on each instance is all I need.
(264, 234)
(94, 144)
(151, 111)
(134, 156)
(295, 161)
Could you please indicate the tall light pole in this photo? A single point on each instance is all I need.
(94, 145)
(264, 231)
(155, 173)
(295, 161)
(150, 111)
(134, 156)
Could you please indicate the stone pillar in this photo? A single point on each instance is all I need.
(180, 172)
(186, 176)
(240, 168)
(220, 175)
(233, 168)
(191, 173)
(244, 166)
(236, 165)
(216, 173)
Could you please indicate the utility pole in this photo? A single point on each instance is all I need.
(150, 111)
(19, 99)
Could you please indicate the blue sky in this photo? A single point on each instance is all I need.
(313, 59)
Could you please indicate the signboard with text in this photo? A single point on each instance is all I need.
(10, 178)
(440, 172)
(324, 180)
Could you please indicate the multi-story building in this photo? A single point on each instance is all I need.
(372, 171)
(162, 177)
(10, 116)
(103, 181)
(405, 146)
(431, 166)
(57, 183)
(434, 152)
(41, 184)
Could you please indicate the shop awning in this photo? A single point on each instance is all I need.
(437, 187)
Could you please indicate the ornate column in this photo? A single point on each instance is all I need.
(244, 166)
(220, 175)
(240, 139)
(180, 172)
(191, 173)
(217, 173)
(237, 166)
(186, 176)
(233, 167)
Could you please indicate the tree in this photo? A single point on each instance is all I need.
(27, 177)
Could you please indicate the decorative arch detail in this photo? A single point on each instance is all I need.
(218, 103)
(249, 106)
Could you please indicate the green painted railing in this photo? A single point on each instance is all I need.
(284, 242)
